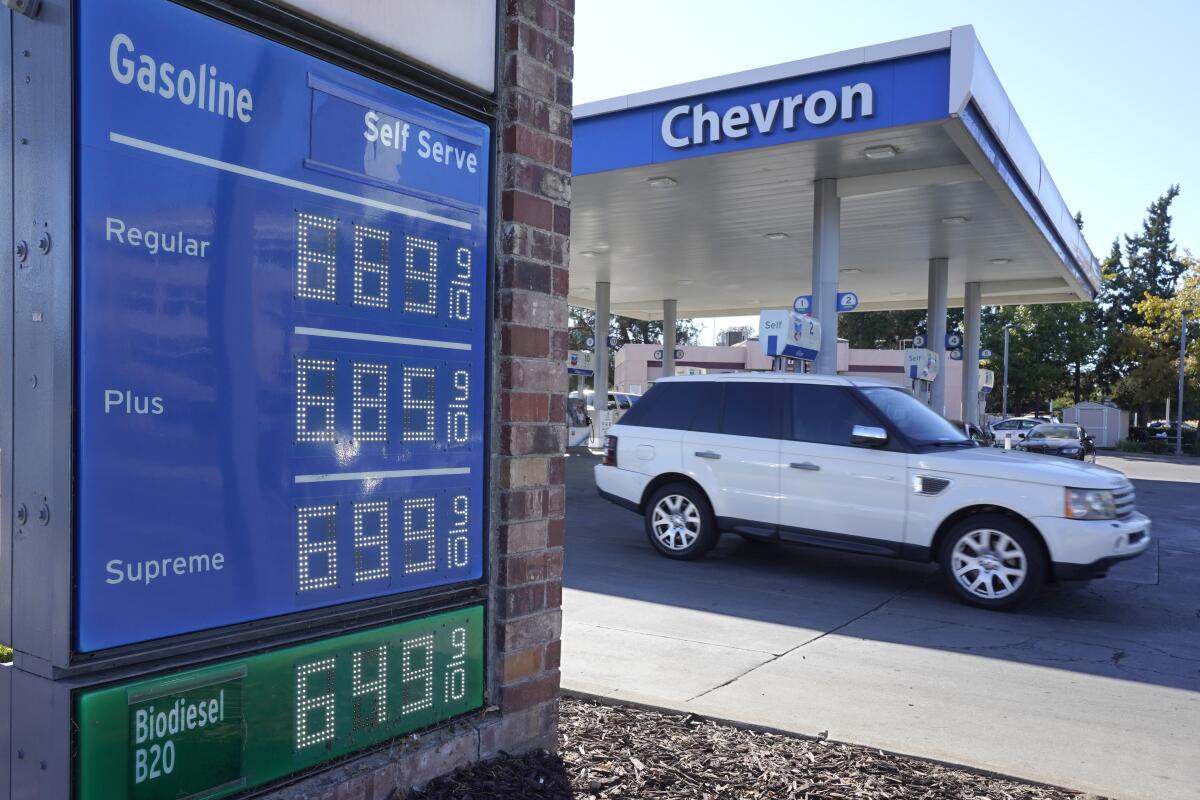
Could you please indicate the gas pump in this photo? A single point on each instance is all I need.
(921, 367)
(987, 381)
(789, 337)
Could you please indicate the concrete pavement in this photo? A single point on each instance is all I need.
(1095, 687)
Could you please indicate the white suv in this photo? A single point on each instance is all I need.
(861, 465)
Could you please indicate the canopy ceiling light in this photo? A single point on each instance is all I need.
(883, 151)
(1001, 261)
(775, 237)
(955, 220)
(661, 181)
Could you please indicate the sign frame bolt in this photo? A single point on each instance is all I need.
(44, 514)
(22, 514)
(44, 243)
(22, 251)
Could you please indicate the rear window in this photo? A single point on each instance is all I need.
(662, 406)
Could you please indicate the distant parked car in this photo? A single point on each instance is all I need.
(981, 436)
(1165, 429)
(1060, 439)
(1015, 428)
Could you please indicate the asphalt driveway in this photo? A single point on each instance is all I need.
(1095, 687)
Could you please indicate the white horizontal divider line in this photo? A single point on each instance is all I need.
(330, 333)
(385, 473)
(238, 169)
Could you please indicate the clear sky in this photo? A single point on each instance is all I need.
(1109, 91)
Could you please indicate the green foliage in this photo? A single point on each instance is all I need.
(5, 654)
(581, 323)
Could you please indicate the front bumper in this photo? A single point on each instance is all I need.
(1082, 549)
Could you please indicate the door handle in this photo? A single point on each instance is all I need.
(707, 454)
(806, 465)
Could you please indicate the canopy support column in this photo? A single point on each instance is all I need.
(972, 302)
(600, 377)
(827, 220)
(935, 329)
(668, 337)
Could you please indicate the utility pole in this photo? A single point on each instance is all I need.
(1004, 388)
(1183, 321)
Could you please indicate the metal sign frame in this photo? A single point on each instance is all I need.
(37, 453)
(37, 381)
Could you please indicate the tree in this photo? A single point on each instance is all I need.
(879, 329)
(581, 323)
(1156, 341)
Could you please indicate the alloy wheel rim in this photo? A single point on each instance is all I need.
(676, 522)
(989, 564)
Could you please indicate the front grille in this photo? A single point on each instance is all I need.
(1123, 499)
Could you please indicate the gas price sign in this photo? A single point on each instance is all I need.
(282, 325)
(221, 729)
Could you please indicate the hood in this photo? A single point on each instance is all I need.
(1013, 465)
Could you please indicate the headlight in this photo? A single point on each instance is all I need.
(1090, 504)
(1070, 451)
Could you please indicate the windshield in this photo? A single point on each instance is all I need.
(915, 420)
(1055, 431)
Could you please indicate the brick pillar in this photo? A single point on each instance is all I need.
(529, 492)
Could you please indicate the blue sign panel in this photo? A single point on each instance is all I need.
(282, 315)
(861, 98)
(846, 301)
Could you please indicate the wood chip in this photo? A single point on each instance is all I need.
(620, 752)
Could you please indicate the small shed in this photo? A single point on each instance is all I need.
(1106, 423)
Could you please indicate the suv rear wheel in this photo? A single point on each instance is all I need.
(679, 522)
(993, 561)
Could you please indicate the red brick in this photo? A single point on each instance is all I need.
(562, 220)
(566, 27)
(558, 466)
(524, 207)
(560, 282)
(556, 505)
(525, 141)
(531, 692)
(559, 344)
(521, 340)
(552, 562)
(562, 156)
(531, 631)
(522, 664)
(521, 537)
(553, 598)
(524, 407)
(556, 534)
(553, 655)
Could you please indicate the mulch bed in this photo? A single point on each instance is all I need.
(618, 752)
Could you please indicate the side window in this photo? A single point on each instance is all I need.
(751, 408)
(705, 397)
(1006, 426)
(826, 414)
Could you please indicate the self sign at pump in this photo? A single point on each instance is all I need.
(785, 333)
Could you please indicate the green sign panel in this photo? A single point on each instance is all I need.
(214, 731)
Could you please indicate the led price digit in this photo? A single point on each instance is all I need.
(371, 532)
(368, 402)
(315, 385)
(361, 688)
(456, 670)
(370, 242)
(459, 543)
(306, 733)
(419, 535)
(458, 421)
(312, 550)
(420, 284)
(412, 671)
(316, 252)
(420, 401)
(460, 286)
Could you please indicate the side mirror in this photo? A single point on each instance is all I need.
(868, 435)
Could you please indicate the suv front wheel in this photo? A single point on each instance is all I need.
(679, 522)
(993, 561)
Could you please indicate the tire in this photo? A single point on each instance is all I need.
(680, 523)
(993, 561)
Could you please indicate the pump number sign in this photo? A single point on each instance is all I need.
(282, 320)
(235, 725)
